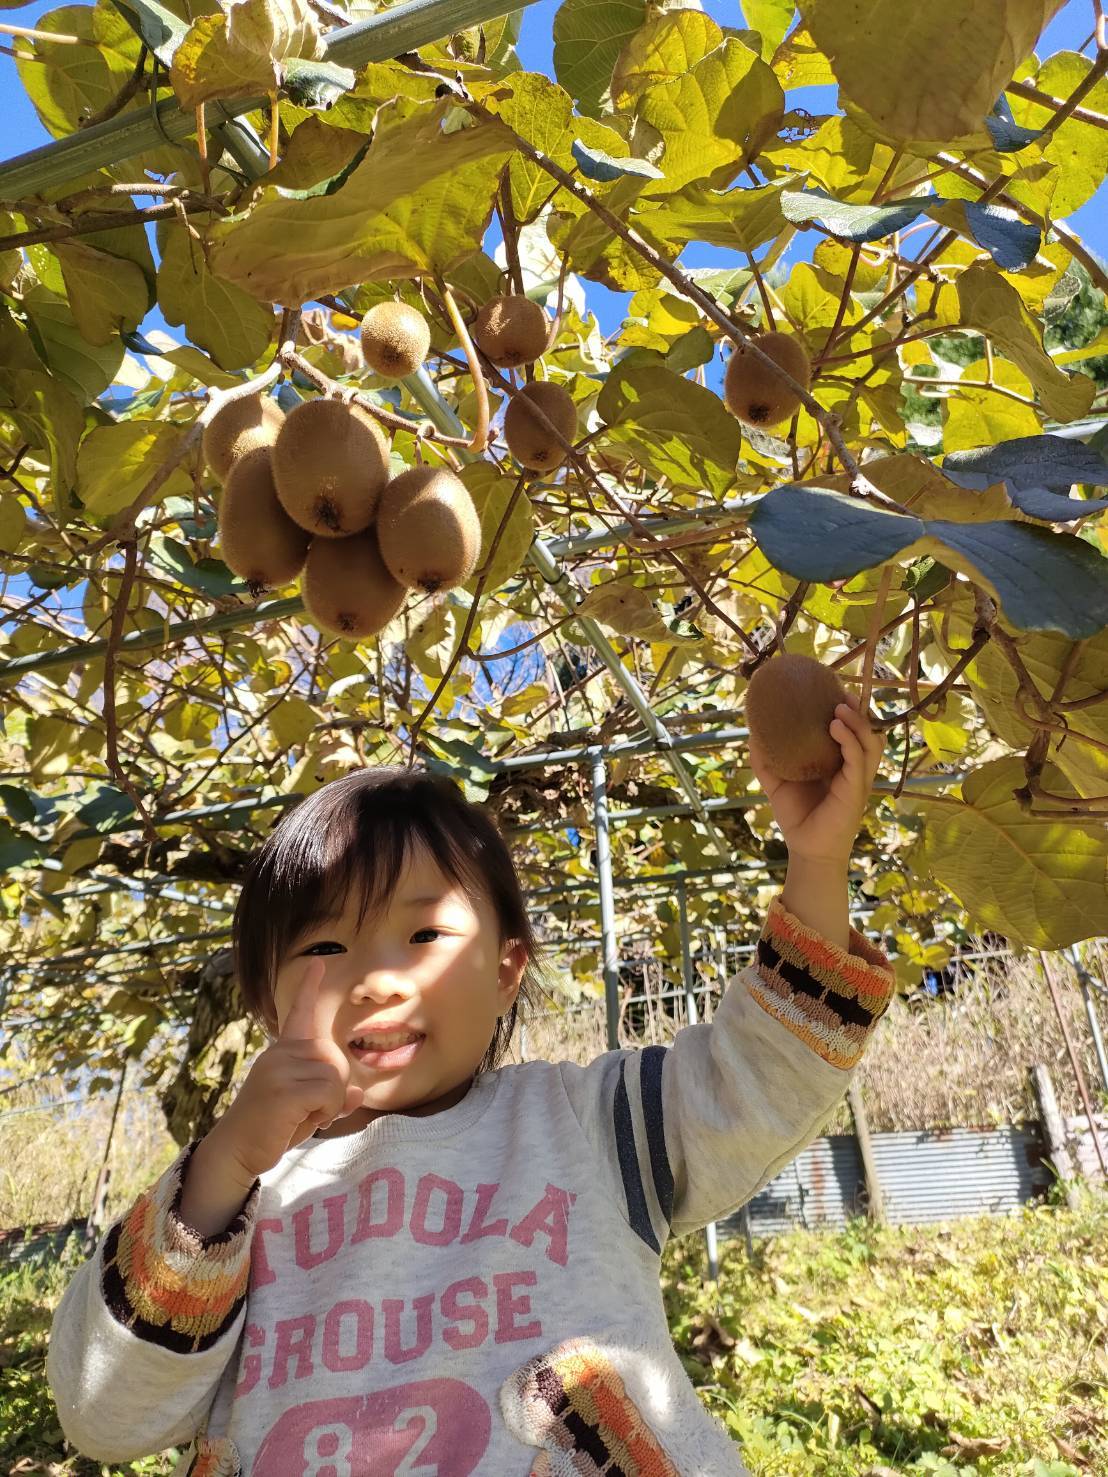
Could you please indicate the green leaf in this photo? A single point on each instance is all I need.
(771, 19)
(1037, 473)
(50, 416)
(1042, 580)
(714, 119)
(994, 307)
(107, 807)
(13, 522)
(1008, 869)
(217, 315)
(83, 368)
(491, 492)
(596, 165)
(209, 576)
(853, 222)
(587, 40)
(107, 294)
(69, 82)
(1006, 238)
(116, 462)
(677, 429)
(418, 202)
(542, 113)
(741, 219)
(931, 73)
(162, 31)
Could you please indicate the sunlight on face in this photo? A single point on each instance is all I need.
(430, 961)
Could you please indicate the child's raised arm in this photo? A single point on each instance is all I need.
(685, 1134)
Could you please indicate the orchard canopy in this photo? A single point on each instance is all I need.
(231, 188)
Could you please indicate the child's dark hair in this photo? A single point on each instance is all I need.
(363, 827)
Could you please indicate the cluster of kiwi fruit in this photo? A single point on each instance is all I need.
(512, 331)
(753, 392)
(790, 702)
(309, 494)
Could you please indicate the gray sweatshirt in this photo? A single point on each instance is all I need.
(476, 1291)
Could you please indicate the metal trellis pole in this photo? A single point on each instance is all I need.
(1086, 981)
(607, 899)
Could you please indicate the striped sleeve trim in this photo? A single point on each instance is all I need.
(830, 997)
(164, 1281)
(633, 1188)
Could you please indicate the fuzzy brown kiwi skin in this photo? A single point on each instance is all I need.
(395, 339)
(428, 529)
(753, 393)
(529, 441)
(347, 590)
(258, 540)
(790, 702)
(330, 464)
(511, 330)
(240, 426)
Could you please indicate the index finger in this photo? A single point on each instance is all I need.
(310, 1017)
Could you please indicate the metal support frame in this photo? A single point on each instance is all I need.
(376, 39)
(1087, 982)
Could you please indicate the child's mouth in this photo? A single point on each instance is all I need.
(385, 1053)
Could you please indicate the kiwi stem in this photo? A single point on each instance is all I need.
(273, 122)
(480, 437)
(771, 322)
(290, 359)
(111, 730)
(202, 149)
(509, 229)
(871, 635)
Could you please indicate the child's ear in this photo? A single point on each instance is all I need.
(513, 961)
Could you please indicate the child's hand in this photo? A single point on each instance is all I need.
(819, 819)
(298, 1084)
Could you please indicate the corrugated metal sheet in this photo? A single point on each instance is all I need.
(937, 1175)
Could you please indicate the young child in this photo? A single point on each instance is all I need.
(391, 1255)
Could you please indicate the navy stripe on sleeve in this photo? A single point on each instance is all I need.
(637, 1212)
(651, 1063)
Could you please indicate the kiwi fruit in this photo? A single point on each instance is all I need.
(790, 703)
(428, 529)
(330, 464)
(511, 330)
(241, 425)
(258, 540)
(529, 441)
(752, 391)
(347, 590)
(395, 339)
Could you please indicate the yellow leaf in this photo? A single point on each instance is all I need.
(929, 71)
(994, 307)
(276, 29)
(1042, 881)
(207, 66)
(667, 46)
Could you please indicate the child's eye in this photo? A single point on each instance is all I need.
(436, 931)
(322, 944)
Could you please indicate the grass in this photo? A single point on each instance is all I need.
(978, 1346)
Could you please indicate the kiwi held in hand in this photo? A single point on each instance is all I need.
(395, 339)
(529, 441)
(330, 463)
(511, 330)
(752, 391)
(346, 588)
(790, 703)
(253, 420)
(428, 529)
(258, 540)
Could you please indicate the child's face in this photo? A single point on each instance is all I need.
(436, 966)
